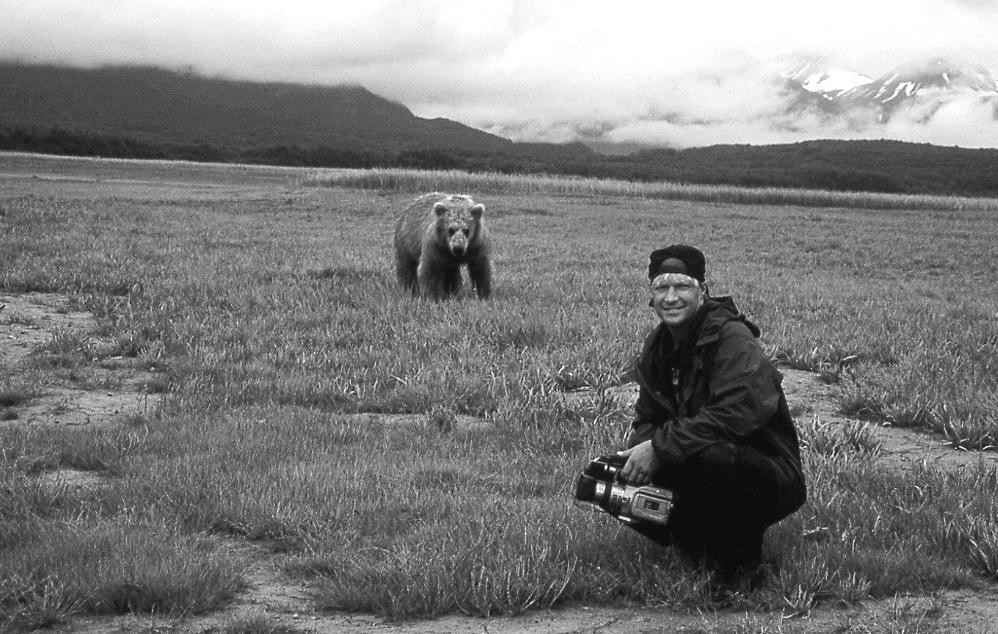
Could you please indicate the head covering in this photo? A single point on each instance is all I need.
(678, 258)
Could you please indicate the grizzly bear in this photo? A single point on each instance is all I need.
(434, 236)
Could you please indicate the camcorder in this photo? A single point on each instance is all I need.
(601, 486)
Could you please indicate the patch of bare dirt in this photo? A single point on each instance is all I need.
(32, 320)
(71, 479)
(28, 321)
(901, 447)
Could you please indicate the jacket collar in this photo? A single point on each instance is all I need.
(721, 310)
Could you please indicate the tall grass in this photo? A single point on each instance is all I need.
(273, 311)
(494, 183)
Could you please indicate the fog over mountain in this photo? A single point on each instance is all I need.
(938, 100)
(644, 72)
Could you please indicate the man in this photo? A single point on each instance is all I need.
(711, 422)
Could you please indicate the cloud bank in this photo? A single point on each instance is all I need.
(677, 74)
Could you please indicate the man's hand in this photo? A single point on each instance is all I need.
(641, 465)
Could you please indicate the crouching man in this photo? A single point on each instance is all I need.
(711, 423)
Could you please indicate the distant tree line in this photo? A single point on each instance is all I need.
(871, 166)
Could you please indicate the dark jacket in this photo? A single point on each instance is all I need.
(718, 388)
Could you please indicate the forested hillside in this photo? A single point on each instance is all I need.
(161, 107)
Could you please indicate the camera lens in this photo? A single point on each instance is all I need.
(585, 488)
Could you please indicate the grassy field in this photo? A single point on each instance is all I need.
(268, 298)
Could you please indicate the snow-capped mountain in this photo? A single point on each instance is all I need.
(816, 75)
(926, 85)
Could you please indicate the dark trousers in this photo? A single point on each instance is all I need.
(723, 500)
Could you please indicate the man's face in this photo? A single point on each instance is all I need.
(675, 297)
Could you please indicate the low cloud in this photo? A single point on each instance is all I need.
(968, 121)
(965, 121)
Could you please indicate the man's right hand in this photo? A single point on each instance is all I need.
(642, 463)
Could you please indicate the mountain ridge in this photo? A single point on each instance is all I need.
(155, 105)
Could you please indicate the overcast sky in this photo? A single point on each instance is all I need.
(541, 69)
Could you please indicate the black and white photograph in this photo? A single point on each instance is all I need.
(508, 317)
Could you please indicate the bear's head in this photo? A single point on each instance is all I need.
(458, 222)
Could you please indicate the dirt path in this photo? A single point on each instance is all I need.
(29, 321)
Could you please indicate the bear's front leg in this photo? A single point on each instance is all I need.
(453, 281)
(405, 271)
(437, 281)
(480, 271)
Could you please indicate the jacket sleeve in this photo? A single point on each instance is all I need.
(648, 418)
(742, 395)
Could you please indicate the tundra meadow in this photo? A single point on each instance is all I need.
(267, 298)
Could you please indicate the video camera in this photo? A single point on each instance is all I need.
(601, 486)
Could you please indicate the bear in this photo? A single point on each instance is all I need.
(434, 236)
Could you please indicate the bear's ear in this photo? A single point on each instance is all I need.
(477, 210)
(439, 209)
